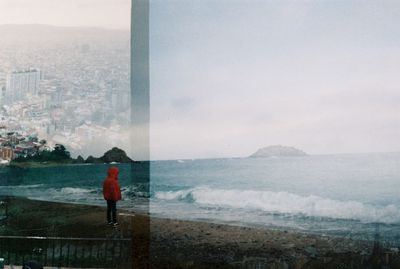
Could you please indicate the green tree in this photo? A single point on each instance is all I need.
(60, 153)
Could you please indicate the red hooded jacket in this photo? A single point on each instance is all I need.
(111, 190)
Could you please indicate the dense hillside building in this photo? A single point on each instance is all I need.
(6, 153)
(20, 83)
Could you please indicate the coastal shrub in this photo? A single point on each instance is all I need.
(58, 154)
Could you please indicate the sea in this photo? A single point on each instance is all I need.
(349, 195)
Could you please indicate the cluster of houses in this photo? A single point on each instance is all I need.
(13, 145)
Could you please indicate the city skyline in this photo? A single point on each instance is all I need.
(81, 48)
(67, 86)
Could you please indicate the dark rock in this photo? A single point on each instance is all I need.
(116, 155)
(113, 155)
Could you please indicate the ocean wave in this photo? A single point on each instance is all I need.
(69, 194)
(32, 186)
(286, 203)
(134, 192)
(71, 190)
(83, 194)
(175, 195)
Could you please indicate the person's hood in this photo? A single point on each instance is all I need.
(113, 172)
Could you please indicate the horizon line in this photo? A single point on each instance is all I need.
(307, 154)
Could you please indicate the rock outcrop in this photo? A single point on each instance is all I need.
(115, 154)
(277, 151)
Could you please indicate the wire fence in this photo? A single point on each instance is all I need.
(67, 252)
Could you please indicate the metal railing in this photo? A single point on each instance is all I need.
(3, 211)
(67, 252)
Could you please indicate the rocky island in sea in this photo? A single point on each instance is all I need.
(277, 151)
(114, 155)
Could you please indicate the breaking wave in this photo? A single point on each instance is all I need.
(285, 203)
(74, 191)
(32, 186)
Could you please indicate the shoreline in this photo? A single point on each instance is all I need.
(257, 226)
(193, 244)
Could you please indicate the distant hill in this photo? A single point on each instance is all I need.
(53, 29)
(36, 34)
(277, 150)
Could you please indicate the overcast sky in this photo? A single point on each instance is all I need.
(93, 13)
(228, 77)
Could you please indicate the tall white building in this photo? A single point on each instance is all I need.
(20, 83)
(2, 95)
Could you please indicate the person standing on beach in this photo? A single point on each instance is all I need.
(112, 194)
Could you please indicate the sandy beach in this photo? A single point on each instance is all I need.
(168, 243)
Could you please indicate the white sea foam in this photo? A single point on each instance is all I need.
(174, 195)
(287, 203)
(24, 186)
(70, 194)
(70, 190)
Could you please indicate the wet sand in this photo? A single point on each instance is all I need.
(168, 243)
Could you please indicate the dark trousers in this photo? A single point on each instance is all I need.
(111, 211)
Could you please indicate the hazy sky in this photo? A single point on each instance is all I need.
(228, 77)
(98, 13)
